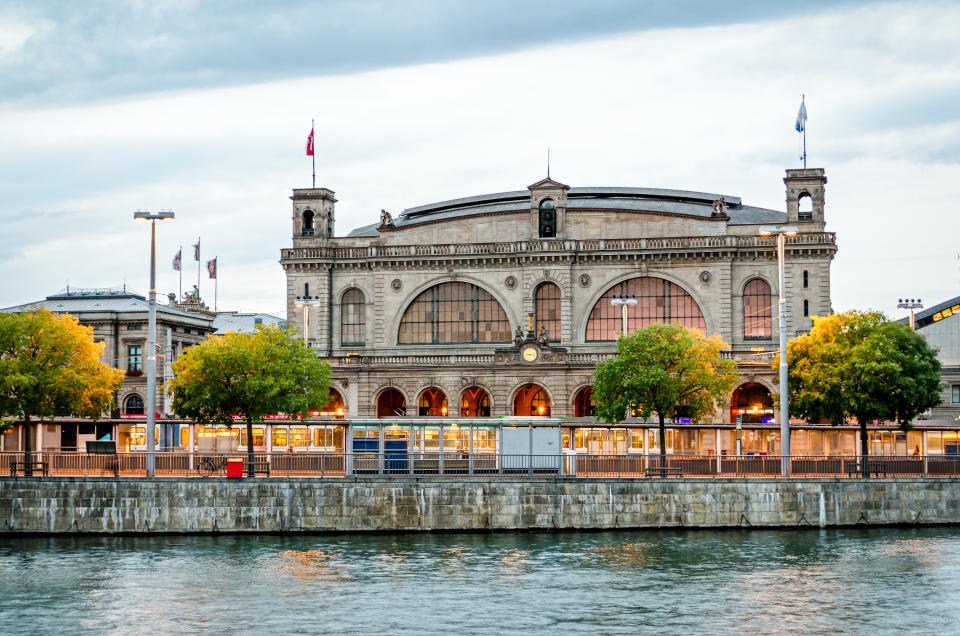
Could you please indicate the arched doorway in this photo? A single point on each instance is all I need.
(432, 403)
(753, 403)
(475, 402)
(391, 403)
(334, 407)
(583, 404)
(531, 399)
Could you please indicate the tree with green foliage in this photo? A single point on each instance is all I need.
(664, 369)
(250, 375)
(50, 365)
(859, 365)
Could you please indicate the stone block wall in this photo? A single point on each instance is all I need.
(108, 506)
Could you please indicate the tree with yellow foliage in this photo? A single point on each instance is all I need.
(50, 365)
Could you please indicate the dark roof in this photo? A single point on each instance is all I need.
(930, 316)
(698, 204)
(98, 300)
(245, 322)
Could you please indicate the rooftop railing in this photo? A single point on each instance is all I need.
(558, 245)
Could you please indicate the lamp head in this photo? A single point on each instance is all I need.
(786, 230)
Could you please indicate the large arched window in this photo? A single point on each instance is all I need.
(658, 301)
(391, 403)
(531, 399)
(756, 310)
(333, 408)
(353, 318)
(433, 402)
(752, 403)
(546, 306)
(451, 313)
(134, 406)
(475, 403)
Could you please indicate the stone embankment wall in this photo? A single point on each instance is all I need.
(107, 506)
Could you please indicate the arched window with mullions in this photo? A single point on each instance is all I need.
(353, 318)
(546, 306)
(658, 301)
(452, 313)
(134, 406)
(757, 303)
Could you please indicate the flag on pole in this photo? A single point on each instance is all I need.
(802, 116)
(196, 251)
(176, 259)
(212, 267)
(310, 143)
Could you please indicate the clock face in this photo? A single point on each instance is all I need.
(530, 354)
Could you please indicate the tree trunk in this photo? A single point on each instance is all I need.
(663, 448)
(864, 449)
(251, 467)
(27, 450)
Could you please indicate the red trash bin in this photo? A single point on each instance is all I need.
(235, 467)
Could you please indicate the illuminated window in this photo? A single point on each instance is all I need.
(279, 437)
(547, 310)
(184, 436)
(353, 319)
(531, 400)
(257, 436)
(433, 402)
(391, 403)
(300, 437)
(134, 405)
(333, 408)
(752, 404)
(756, 310)
(583, 404)
(658, 301)
(451, 313)
(475, 403)
(328, 437)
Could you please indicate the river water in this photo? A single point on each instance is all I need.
(812, 581)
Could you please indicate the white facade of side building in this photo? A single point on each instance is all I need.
(602, 237)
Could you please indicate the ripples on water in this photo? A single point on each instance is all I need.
(854, 581)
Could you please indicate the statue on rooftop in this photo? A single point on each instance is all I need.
(386, 220)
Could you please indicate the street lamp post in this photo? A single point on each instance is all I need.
(623, 301)
(913, 304)
(782, 232)
(152, 334)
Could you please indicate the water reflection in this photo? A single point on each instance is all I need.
(673, 582)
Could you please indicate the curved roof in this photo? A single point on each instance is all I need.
(683, 202)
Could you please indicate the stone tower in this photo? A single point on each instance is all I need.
(805, 198)
(313, 215)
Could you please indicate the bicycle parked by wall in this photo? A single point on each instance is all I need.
(209, 466)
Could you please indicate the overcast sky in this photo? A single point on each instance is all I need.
(204, 108)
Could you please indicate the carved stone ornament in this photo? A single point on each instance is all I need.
(510, 282)
(584, 280)
(396, 284)
(386, 219)
(705, 276)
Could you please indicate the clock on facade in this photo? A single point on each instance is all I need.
(530, 353)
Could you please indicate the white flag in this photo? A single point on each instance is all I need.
(802, 116)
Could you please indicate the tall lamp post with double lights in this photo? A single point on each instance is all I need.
(306, 305)
(152, 334)
(782, 232)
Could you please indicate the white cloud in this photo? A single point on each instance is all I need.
(708, 109)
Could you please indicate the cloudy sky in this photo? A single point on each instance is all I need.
(204, 108)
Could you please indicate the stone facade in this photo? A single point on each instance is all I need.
(705, 244)
(144, 506)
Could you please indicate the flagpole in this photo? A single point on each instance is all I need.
(198, 269)
(803, 100)
(181, 274)
(216, 283)
(313, 155)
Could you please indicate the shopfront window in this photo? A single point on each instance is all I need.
(257, 436)
(279, 437)
(299, 437)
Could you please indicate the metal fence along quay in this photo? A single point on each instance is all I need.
(465, 465)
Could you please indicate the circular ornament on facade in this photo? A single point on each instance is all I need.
(530, 353)
(705, 276)
(510, 282)
(396, 284)
(584, 280)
